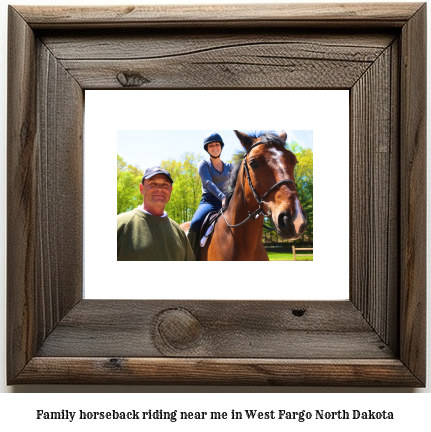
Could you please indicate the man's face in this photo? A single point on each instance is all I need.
(156, 190)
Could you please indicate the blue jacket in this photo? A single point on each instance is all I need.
(213, 181)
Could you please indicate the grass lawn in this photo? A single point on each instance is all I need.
(285, 256)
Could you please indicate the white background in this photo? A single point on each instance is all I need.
(18, 410)
(325, 112)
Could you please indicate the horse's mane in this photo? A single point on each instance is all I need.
(232, 182)
(266, 138)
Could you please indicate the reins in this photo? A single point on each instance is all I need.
(259, 200)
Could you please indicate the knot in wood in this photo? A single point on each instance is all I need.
(178, 329)
(131, 79)
(298, 312)
(115, 363)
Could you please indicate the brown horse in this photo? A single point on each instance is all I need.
(262, 184)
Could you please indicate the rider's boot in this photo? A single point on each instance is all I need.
(193, 237)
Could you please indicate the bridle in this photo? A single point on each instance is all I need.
(260, 201)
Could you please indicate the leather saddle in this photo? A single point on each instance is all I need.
(210, 219)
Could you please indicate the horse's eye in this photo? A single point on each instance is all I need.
(254, 164)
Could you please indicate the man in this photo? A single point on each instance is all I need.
(146, 233)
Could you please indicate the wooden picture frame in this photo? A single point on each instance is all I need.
(376, 338)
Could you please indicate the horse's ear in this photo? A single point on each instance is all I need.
(283, 136)
(245, 140)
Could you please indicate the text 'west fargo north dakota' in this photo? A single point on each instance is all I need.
(176, 415)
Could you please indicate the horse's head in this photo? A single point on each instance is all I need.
(271, 169)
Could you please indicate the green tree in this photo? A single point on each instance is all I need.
(187, 190)
(237, 157)
(304, 181)
(186, 194)
(128, 179)
(121, 164)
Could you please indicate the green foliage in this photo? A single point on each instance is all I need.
(187, 188)
(186, 193)
(128, 179)
(121, 164)
(237, 157)
(304, 181)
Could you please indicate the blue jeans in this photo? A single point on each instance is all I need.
(208, 203)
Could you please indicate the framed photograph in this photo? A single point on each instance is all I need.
(376, 337)
(316, 123)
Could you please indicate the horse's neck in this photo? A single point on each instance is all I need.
(238, 207)
(249, 234)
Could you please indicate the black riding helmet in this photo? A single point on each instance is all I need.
(214, 137)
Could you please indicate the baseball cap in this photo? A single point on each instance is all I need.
(150, 172)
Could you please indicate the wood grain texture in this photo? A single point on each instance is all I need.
(413, 194)
(300, 15)
(241, 329)
(59, 183)
(231, 59)
(226, 60)
(45, 106)
(21, 196)
(146, 44)
(374, 195)
(197, 371)
(376, 338)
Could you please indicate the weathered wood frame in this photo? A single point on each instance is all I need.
(376, 338)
